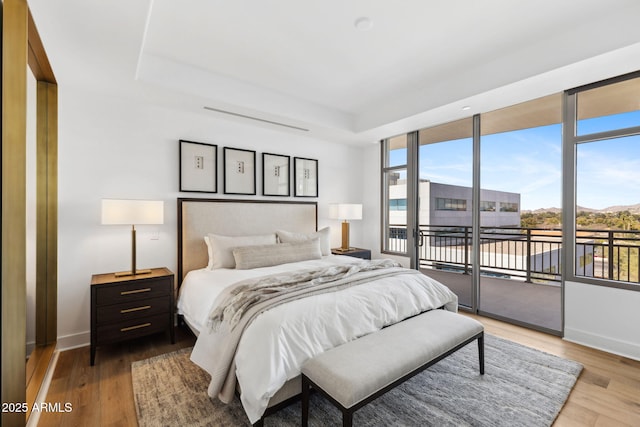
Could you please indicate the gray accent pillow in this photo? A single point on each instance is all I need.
(323, 234)
(221, 247)
(248, 257)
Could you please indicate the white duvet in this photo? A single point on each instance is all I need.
(277, 343)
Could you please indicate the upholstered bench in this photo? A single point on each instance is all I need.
(356, 373)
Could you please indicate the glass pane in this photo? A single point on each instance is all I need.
(607, 211)
(396, 232)
(446, 164)
(397, 151)
(609, 107)
(520, 215)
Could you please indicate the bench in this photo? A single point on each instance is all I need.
(355, 373)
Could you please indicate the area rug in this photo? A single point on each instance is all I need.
(521, 387)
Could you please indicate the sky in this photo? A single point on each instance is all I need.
(529, 162)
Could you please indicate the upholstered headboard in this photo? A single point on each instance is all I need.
(230, 217)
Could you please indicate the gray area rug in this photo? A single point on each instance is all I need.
(521, 387)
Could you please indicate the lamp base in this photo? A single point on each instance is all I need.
(345, 236)
(130, 273)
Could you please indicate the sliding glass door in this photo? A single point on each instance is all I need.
(520, 199)
(476, 203)
(444, 186)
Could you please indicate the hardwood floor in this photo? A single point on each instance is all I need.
(102, 395)
(606, 394)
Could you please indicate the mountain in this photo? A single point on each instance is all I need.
(634, 209)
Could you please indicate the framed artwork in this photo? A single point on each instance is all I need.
(239, 171)
(275, 175)
(305, 172)
(198, 167)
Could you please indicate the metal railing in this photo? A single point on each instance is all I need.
(526, 254)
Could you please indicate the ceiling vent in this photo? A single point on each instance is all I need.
(231, 113)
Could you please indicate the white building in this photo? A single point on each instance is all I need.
(451, 205)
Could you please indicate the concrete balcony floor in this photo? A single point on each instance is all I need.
(536, 305)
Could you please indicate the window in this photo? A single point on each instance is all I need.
(605, 131)
(394, 172)
(508, 207)
(589, 141)
(487, 206)
(398, 204)
(607, 108)
(451, 204)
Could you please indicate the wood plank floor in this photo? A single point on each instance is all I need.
(606, 394)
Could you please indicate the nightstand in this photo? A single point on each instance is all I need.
(354, 252)
(129, 307)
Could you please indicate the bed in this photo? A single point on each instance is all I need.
(257, 349)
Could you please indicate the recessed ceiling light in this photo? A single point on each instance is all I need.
(363, 23)
(466, 107)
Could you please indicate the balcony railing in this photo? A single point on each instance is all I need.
(527, 254)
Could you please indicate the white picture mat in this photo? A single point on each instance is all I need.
(239, 171)
(306, 179)
(275, 175)
(193, 177)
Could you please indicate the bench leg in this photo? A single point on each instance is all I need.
(305, 401)
(481, 353)
(347, 418)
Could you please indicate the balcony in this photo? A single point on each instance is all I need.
(520, 268)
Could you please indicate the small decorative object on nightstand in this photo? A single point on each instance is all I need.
(130, 307)
(354, 252)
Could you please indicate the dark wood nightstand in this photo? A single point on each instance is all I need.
(131, 306)
(354, 252)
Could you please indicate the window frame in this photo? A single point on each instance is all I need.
(571, 141)
(386, 170)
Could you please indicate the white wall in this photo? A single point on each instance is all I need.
(603, 318)
(111, 147)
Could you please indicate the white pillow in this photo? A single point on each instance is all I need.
(247, 257)
(323, 234)
(221, 247)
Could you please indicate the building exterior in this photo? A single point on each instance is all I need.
(450, 205)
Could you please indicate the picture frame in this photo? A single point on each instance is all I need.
(239, 171)
(275, 175)
(198, 167)
(305, 172)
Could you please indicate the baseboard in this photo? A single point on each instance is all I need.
(604, 343)
(69, 342)
(34, 416)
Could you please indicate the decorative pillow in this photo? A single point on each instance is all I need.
(220, 247)
(323, 234)
(248, 257)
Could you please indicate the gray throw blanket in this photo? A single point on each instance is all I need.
(244, 301)
(250, 292)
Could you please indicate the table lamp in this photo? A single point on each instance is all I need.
(132, 212)
(345, 212)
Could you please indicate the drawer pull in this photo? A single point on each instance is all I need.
(131, 328)
(131, 310)
(136, 291)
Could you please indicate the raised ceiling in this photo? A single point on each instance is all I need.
(304, 64)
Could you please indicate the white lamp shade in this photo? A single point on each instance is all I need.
(345, 211)
(132, 212)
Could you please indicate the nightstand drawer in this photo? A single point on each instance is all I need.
(133, 310)
(126, 307)
(141, 289)
(133, 328)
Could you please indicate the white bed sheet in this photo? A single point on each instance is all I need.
(279, 341)
(201, 287)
